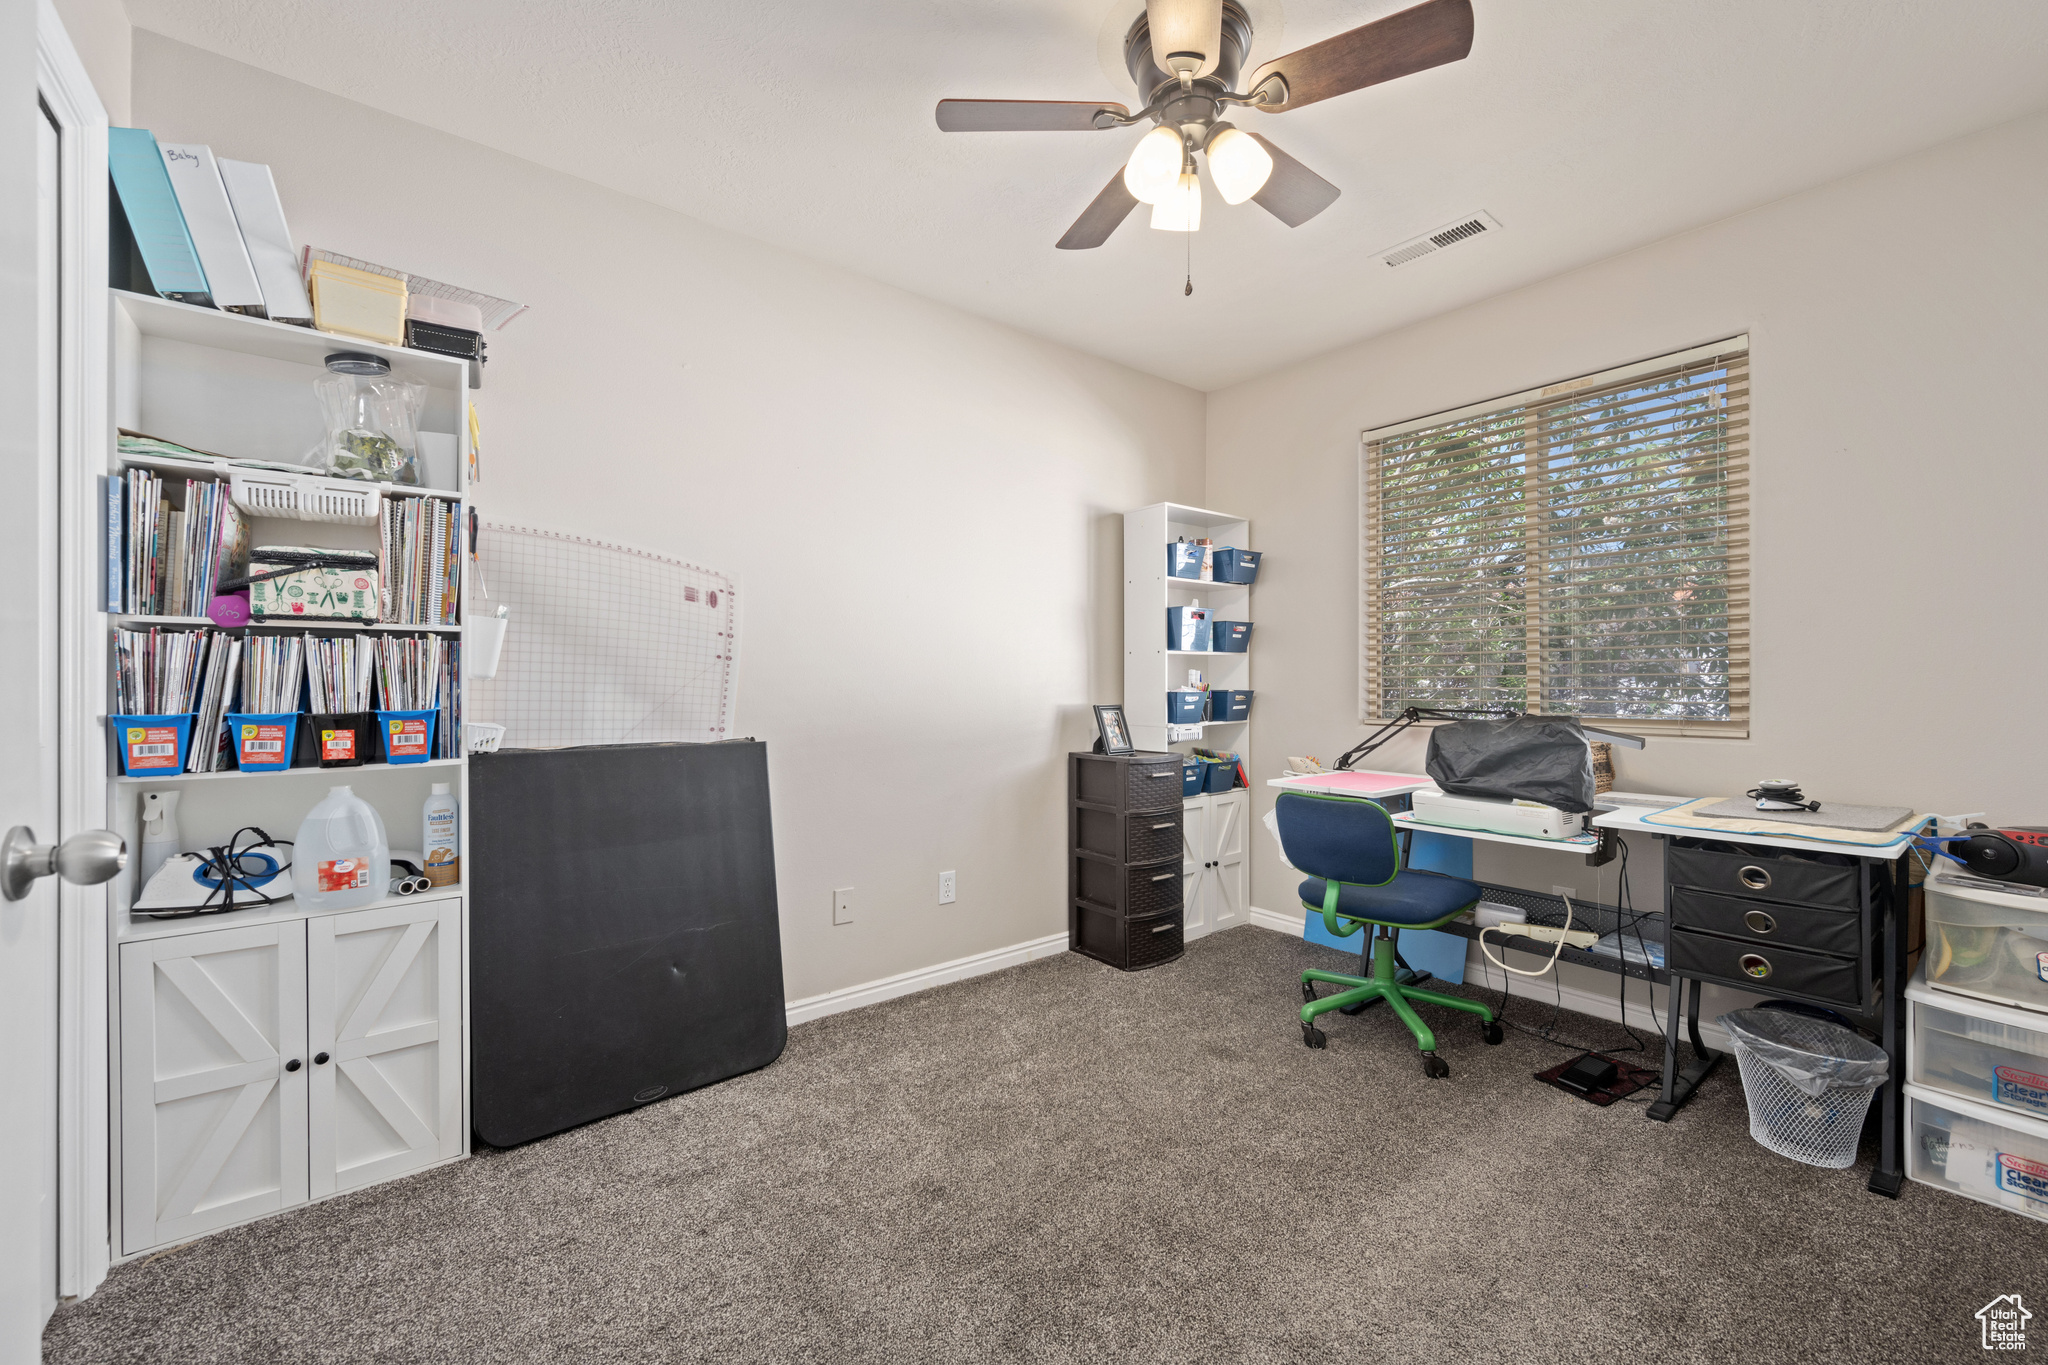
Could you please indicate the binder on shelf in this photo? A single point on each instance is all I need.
(211, 221)
(154, 219)
(260, 214)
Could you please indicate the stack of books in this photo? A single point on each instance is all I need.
(174, 558)
(419, 561)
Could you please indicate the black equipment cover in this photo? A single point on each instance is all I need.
(1523, 758)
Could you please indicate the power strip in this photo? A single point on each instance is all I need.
(1551, 933)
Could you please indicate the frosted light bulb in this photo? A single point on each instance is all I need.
(1238, 165)
(1181, 210)
(1155, 165)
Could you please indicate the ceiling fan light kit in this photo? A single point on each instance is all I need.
(1185, 57)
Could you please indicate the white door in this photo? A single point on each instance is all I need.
(1194, 865)
(213, 1080)
(28, 737)
(1226, 851)
(383, 1002)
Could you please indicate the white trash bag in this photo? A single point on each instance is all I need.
(1808, 1083)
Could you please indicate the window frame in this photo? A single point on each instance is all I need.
(1735, 351)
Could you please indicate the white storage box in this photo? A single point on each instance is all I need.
(1992, 945)
(1977, 1151)
(1990, 1054)
(303, 497)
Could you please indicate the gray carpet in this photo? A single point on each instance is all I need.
(1062, 1162)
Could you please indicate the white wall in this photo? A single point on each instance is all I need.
(919, 506)
(1898, 346)
(100, 32)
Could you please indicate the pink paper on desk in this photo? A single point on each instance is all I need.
(1357, 781)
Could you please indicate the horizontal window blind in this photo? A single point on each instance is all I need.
(1579, 550)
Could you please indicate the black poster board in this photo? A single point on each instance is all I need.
(624, 941)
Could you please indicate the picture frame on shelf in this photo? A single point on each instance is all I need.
(1113, 732)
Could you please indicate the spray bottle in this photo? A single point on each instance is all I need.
(160, 837)
(441, 830)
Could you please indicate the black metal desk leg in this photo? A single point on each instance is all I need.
(1679, 1086)
(1889, 1177)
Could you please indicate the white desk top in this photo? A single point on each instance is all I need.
(1629, 819)
(1369, 786)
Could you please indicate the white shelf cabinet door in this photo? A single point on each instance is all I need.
(384, 996)
(213, 1081)
(1194, 864)
(1228, 814)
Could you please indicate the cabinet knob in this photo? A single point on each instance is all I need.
(319, 1059)
(293, 1065)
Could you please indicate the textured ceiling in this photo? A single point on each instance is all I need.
(1585, 126)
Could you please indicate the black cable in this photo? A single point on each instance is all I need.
(225, 861)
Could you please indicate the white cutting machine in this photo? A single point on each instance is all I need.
(1523, 819)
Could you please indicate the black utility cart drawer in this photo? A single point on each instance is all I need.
(1131, 782)
(1769, 968)
(1836, 932)
(1147, 837)
(1131, 944)
(1763, 873)
(1128, 888)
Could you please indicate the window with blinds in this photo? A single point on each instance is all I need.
(1582, 549)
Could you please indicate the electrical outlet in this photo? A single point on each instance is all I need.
(842, 905)
(1571, 891)
(945, 888)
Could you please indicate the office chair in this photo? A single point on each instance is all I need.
(1348, 848)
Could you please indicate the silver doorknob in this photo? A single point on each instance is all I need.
(85, 859)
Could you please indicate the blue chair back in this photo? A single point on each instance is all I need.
(1338, 838)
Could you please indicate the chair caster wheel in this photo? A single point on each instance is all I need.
(1308, 992)
(1492, 1033)
(1435, 1067)
(1311, 1036)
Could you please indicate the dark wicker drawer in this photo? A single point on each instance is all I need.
(1128, 888)
(1763, 874)
(1769, 968)
(1144, 838)
(1137, 782)
(1838, 933)
(1130, 944)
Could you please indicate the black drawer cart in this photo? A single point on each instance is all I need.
(1822, 928)
(1124, 851)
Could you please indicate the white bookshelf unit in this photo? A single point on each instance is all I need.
(266, 1057)
(1213, 859)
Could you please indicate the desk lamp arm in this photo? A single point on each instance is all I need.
(1414, 715)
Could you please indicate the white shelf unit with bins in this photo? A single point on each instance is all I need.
(271, 1056)
(1213, 857)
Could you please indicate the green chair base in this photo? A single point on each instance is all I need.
(1382, 985)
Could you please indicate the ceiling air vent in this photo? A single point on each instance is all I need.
(1450, 234)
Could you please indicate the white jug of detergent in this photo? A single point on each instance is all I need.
(341, 859)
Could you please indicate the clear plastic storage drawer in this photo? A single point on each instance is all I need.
(1977, 1152)
(1988, 944)
(1991, 1060)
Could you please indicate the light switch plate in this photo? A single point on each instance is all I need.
(842, 905)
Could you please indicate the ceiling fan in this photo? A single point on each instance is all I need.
(1184, 56)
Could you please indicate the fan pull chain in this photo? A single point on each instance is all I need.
(1191, 265)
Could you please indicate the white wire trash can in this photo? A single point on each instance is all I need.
(1808, 1083)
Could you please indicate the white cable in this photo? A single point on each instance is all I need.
(1545, 969)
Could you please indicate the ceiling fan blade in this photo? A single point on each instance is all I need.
(1023, 116)
(1293, 193)
(1101, 217)
(1185, 26)
(1430, 34)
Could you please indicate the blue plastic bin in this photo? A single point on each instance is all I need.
(406, 736)
(1188, 628)
(1219, 775)
(1237, 566)
(1191, 777)
(263, 743)
(151, 744)
(1184, 560)
(1185, 708)
(1230, 704)
(1231, 637)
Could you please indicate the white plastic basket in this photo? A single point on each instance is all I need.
(484, 737)
(303, 497)
(1820, 1121)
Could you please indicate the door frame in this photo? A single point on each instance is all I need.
(84, 1077)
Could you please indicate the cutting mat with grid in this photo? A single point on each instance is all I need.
(606, 645)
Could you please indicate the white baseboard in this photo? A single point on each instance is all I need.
(924, 978)
(1544, 989)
